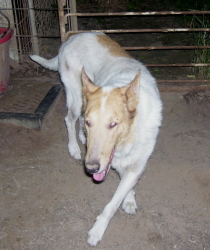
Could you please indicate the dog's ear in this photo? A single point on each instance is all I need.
(88, 86)
(131, 91)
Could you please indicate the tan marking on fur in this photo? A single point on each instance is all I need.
(88, 88)
(132, 93)
(114, 48)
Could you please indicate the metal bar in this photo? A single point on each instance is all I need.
(144, 30)
(149, 13)
(166, 47)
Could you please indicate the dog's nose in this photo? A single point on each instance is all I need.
(92, 168)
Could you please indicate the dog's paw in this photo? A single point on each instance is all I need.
(129, 203)
(96, 233)
(74, 151)
(129, 207)
(94, 236)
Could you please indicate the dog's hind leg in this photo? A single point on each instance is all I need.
(73, 146)
(82, 136)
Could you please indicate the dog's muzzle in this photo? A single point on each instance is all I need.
(92, 168)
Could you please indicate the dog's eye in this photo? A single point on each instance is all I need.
(88, 123)
(113, 124)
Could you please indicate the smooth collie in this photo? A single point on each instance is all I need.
(115, 97)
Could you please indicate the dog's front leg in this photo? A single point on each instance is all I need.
(127, 182)
(73, 146)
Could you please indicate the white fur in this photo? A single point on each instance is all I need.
(110, 71)
(103, 104)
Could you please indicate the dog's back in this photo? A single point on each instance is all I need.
(104, 60)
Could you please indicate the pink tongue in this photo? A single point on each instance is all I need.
(100, 176)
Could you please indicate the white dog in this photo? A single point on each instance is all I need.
(122, 114)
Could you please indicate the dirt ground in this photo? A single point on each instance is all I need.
(49, 203)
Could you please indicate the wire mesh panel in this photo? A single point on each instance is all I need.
(45, 16)
(22, 25)
(46, 24)
(7, 21)
(32, 20)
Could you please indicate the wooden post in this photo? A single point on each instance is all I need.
(73, 9)
(62, 20)
(34, 38)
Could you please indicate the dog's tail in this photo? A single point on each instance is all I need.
(51, 64)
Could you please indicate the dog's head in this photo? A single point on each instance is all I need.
(109, 115)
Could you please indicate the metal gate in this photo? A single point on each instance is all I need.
(68, 17)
